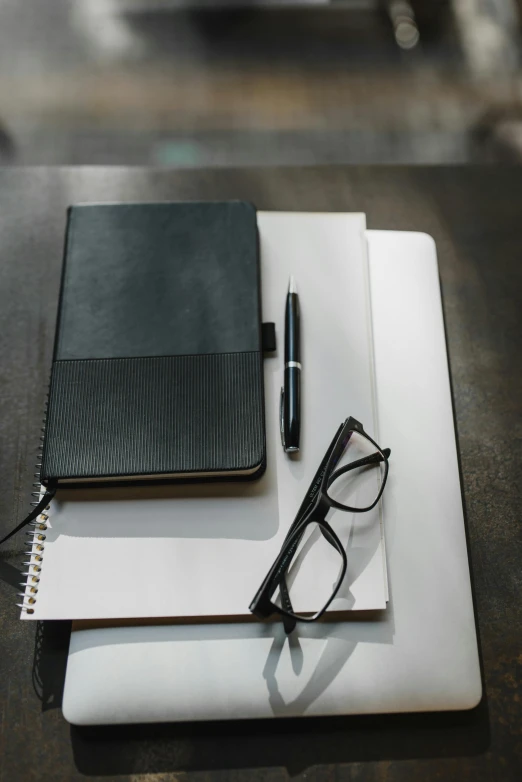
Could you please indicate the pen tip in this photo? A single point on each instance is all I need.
(292, 287)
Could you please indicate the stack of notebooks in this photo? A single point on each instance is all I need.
(159, 375)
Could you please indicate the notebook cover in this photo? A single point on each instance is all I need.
(157, 369)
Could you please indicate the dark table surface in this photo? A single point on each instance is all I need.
(475, 216)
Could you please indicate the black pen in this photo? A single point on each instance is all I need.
(291, 392)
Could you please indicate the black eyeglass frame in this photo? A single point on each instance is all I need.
(314, 509)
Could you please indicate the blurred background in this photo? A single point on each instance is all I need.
(177, 83)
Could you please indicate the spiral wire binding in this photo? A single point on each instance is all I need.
(36, 535)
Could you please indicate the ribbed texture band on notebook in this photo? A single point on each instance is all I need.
(140, 416)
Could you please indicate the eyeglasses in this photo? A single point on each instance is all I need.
(320, 553)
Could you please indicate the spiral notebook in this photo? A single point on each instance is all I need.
(158, 344)
(200, 552)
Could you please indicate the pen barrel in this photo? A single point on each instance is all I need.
(292, 381)
(292, 409)
(292, 329)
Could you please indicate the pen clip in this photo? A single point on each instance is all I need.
(282, 416)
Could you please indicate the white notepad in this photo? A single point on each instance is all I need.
(202, 551)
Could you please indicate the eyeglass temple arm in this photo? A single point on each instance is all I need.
(314, 486)
(306, 506)
(301, 514)
(374, 458)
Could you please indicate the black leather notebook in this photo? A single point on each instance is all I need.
(158, 366)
